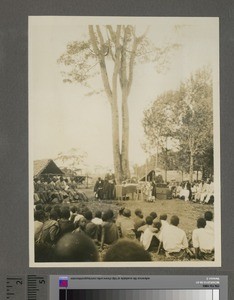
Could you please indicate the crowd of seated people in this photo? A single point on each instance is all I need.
(57, 189)
(59, 229)
(198, 191)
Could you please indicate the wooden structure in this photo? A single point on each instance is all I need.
(46, 167)
(122, 191)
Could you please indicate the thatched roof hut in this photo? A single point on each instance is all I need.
(46, 167)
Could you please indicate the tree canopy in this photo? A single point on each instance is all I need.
(185, 117)
(111, 53)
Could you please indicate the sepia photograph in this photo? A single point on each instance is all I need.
(124, 142)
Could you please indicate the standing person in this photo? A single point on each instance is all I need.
(153, 191)
(189, 188)
(110, 186)
(173, 239)
(98, 189)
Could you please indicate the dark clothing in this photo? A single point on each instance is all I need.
(98, 189)
(49, 233)
(91, 230)
(110, 233)
(65, 226)
(138, 222)
(153, 189)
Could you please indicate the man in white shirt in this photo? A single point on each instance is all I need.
(173, 239)
(203, 241)
(209, 221)
(163, 220)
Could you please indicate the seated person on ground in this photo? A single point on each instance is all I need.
(73, 213)
(203, 241)
(91, 229)
(80, 225)
(65, 224)
(138, 221)
(39, 218)
(209, 221)
(75, 247)
(127, 225)
(163, 219)
(127, 250)
(97, 218)
(148, 238)
(50, 230)
(110, 232)
(173, 239)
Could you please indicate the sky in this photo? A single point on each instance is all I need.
(62, 117)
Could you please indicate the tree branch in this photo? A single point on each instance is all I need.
(102, 63)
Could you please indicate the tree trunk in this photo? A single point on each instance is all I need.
(116, 143)
(191, 168)
(125, 137)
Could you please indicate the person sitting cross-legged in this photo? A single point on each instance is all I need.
(203, 241)
(127, 250)
(148, 238)
(173, 239)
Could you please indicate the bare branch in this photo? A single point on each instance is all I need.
(112, 33)
(102, 63)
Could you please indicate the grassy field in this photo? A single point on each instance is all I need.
(188, 212)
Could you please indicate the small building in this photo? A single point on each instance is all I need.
(46, 167)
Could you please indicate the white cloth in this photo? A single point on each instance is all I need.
(77, 218)
(203, 239)
(146, 237)
(210, 192)
(97, 221)
(173, 238)
(184, 193)
(204, 192)
(164, 225)
(210, 226)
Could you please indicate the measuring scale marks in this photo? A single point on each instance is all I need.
(116, 287)
(30, 287)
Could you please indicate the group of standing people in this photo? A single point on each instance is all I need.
(104, 189)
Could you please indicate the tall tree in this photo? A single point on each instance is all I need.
(115, 50)
(185, 116)
(195, 115)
